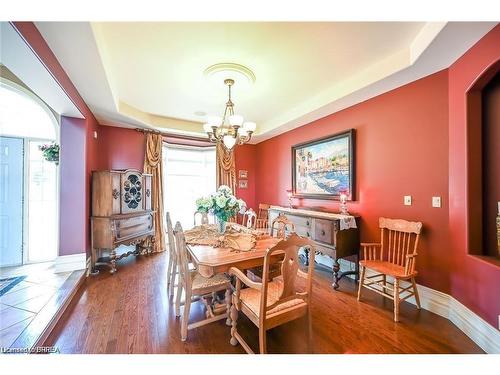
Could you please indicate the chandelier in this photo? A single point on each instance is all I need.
(230, 130)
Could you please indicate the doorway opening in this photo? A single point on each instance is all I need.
(29, 196)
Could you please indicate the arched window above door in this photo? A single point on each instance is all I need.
(22, 114)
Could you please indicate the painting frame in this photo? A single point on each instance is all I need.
(350, 136)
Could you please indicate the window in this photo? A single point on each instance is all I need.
(42, 206)
(24, 115)
(189, 173)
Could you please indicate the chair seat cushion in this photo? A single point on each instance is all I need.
(201, 282)
(386, 268)
(251, 298)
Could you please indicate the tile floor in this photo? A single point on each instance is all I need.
(24, 301)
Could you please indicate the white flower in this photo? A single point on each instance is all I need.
(221, 201)
(232, 201)
(207, 203)
(225, 189)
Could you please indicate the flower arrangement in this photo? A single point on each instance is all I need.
(222, 204)
(50, 152)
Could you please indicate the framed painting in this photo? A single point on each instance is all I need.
(324, 168)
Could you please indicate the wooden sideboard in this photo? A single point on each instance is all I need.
(324, 229)
(121, 215)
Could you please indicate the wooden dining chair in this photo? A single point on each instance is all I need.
(195, 285)
(262, 221)
(281, 225)
(272, 303)
(279, 228)
(249, 219)
(395, 256)
(200, 218)
(172, 258)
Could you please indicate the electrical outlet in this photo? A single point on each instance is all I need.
(95, 134)
(436, 202)
(407, 200)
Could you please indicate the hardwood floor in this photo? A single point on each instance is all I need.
(130, 313)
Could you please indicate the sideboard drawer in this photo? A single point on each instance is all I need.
(303, 231)
(133, 226)
(324, 231)
(300, 221)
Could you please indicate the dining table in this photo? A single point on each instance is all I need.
(210, 260)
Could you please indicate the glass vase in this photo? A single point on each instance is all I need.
(221, 226)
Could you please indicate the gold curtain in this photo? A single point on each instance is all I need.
(226, 170)
(153, 164)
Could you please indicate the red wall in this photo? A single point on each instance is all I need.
(120, 148)
(401, 149)
(245, 160)
(474, 281)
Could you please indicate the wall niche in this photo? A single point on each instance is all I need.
(491, 163)
(483, 155)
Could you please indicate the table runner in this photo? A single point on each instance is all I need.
(236, 237)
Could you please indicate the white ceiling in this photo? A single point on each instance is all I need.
(151, 74)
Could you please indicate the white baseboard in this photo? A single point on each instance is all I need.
(477, 329)
(73, 262)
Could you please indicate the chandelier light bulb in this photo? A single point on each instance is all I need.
(236, 120)
(250, 126)
(229, 141)
(242, 132)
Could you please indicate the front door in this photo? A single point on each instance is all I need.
(11, 201)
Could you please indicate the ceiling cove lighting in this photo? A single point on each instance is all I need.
(230, 130)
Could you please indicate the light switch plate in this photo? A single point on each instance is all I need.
(95, 134)
(407, 200)
(436, 202)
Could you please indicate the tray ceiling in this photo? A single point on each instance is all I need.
(151, 74)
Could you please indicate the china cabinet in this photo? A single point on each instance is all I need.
(121, 215)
